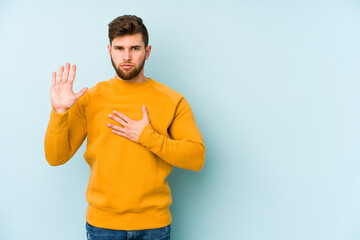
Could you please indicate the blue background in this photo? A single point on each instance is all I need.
(274, 89)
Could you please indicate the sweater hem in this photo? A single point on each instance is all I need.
(148, 219)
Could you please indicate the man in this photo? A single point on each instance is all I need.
(137, 129)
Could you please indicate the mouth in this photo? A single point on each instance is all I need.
(126, 66)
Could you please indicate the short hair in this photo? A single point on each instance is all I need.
(128, 25)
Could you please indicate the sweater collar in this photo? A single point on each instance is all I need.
(129, 85)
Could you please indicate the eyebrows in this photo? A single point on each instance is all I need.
(132, 46)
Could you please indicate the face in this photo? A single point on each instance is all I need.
(128, 55)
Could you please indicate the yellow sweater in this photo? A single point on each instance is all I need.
(127, 188)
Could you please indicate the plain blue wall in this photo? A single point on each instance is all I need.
(274, 86)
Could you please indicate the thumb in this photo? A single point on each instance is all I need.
(81, 92)
(145, 113)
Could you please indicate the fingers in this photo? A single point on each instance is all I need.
(66, 73)
(117, 119)
(116, 128)
(53, 79)
(59, 76)
(122, 116)
(64, 79)
(73, 73)
(119, 133)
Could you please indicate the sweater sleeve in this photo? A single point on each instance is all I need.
(186, 149)
(65, 133)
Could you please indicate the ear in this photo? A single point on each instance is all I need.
(147, 52)
(109, 48)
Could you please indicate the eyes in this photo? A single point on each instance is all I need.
(132, 48)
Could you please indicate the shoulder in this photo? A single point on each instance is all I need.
(99, 88)
(166, 92)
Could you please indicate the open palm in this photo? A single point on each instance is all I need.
(61, 93)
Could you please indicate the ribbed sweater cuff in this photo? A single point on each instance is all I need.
(149, 137)
(58, 121)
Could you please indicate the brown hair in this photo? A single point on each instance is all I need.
(128, 25)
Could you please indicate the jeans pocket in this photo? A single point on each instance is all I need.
(94, 237)
(158, 233)
(95, 233)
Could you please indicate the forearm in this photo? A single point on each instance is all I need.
(57, 149)
(183, 153)
(61, 141)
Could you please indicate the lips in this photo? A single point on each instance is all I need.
(126, 66)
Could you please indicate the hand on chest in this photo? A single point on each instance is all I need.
(99, 115)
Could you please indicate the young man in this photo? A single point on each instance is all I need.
(137, 129)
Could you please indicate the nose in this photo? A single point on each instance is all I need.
(127, 55)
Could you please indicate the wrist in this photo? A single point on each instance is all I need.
(60, 110)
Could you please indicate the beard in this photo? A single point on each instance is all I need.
(128, 75)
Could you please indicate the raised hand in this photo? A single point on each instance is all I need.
(61, 93)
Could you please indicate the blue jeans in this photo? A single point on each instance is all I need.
(95, 233)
